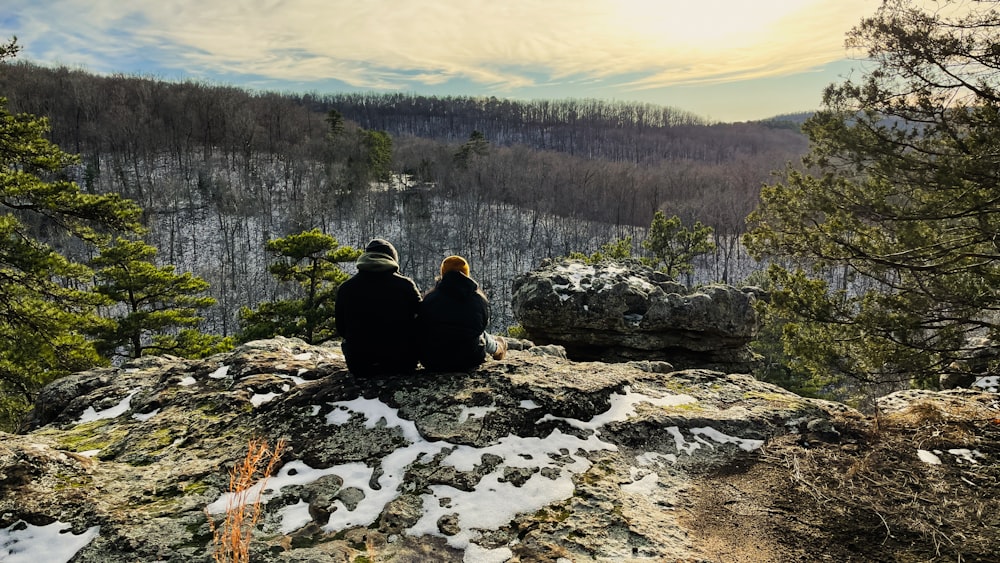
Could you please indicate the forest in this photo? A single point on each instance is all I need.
(880, 205)
(218, 171)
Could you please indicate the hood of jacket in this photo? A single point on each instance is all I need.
(376, 262)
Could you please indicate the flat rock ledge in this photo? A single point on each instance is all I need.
(533, 458)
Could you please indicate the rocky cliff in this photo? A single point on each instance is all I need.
(533, 458)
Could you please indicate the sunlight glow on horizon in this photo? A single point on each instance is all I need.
(562, 48)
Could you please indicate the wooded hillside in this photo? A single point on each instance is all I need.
(574, 173)
(218, 172)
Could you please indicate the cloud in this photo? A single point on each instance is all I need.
(394, 44)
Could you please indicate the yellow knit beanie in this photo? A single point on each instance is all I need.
(455, 263)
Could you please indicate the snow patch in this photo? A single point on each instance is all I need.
(655, 458)
(475, 412)
(928, 457)
(121, 408)
(23, 543)
(143, 417)
(989, 383)
(745, 444)
(966, 455)
(645, 485)
(260, 398)
(495, 500)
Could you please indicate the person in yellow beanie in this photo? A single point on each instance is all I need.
(452, 321)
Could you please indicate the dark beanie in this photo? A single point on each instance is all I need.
(382, 246)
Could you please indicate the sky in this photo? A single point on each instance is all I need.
(724, 60)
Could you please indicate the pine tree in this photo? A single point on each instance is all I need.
(310, 259)
(674, 246)
(154, 302)
(618, 249)
(891, 231)
(45, 305)
(476, 147)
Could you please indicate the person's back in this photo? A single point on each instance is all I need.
(376, 314)
(452, 320)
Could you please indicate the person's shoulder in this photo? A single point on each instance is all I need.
(349, 282)
(400, 278)
(405, 282)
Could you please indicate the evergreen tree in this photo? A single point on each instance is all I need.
(893, 227)
(674, 246)
(370, 159)
(476, 146)
(311, 260)
(45, 307)
(335, 123)
(154, 301)
(378, 154)
(619, 249)
(191, 343)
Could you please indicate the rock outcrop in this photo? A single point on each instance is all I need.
(533, 458)
(619, 311)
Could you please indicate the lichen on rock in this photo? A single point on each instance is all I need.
(531, 458)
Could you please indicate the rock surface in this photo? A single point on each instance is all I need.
(533, 458)
(619, 311)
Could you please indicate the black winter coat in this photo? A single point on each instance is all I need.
(376, 316)
(450, 321)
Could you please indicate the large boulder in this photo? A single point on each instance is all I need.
(618, 311)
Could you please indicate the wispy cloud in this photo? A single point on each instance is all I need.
(396, 44)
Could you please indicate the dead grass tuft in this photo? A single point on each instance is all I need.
(232, 539)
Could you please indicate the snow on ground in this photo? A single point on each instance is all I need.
(643, 482)
(495, 501)
(581, 278)
(143, 417)
(928, 457)
(259, 399)
(475, 412)
(294, 378)
(962, 455)
(988, 383)
(55, 543)
(743, 443)
(121, 408)
(654, 458)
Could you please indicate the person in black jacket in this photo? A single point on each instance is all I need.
(376, 313)
(452, 320)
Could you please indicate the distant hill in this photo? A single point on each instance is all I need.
(792, 121)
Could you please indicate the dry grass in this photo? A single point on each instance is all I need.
(232, 539)
(950, 509)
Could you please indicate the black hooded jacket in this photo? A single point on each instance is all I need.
(376, 316)
(450, 321)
